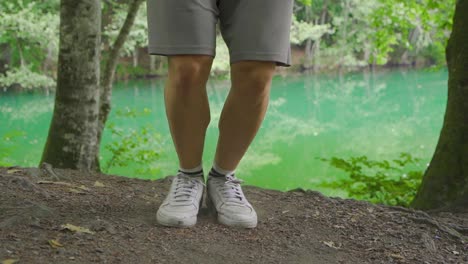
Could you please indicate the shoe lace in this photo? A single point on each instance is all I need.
(232, 191)
(185, 188)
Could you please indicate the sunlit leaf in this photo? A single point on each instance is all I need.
(98, 184)
(9, 261)
(54, 243)
(84, 188)
(330, 244)
(77, 229)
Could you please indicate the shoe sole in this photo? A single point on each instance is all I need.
(169, 221)
(226, 221)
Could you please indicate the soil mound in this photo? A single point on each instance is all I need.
(63, 216)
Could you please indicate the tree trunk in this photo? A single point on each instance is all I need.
(317, 55)
(5, 57)
(135, 57)
(109, 71)
(20, 53)
(308, 46)
(152, 63)
(308, 54)
(72, 138)
(344, 33)
(445, 183)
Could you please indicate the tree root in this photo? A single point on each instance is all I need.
(454, 231)
(48, 172)
(443, 227)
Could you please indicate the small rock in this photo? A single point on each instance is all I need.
(60, 251)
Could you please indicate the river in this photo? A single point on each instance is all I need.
(377, 114)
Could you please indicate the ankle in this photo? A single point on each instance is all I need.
(193, 172)
(217, 171)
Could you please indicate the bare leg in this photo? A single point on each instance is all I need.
(187, 107)
(243, 111)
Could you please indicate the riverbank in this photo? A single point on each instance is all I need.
(293, 70)
(308, 117)
(64, 216)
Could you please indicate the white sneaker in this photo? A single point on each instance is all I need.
(180, 208)
(226, 197)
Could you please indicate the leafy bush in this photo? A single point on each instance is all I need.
(26, 78)
(29, 33)
(6, 145)
(133, 146)
(387, 182)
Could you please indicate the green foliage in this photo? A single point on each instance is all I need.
(349, 33)
(391, 182)
(126, 69)
(380, 31)
(28, 79)
(133, 146)
(30, 29)
(7, 143)
(29, 25)
(301, 31)
(117, 12)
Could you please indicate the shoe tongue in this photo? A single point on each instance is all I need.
(233, 195)
(233, 179)
(184, 189)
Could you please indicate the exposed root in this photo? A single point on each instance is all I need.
(48, 172)
(455, 231)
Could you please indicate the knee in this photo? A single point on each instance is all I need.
(253, 78)
(189, 71)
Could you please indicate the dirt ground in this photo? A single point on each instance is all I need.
(62, 216)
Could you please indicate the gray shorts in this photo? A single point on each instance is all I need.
(252, 29)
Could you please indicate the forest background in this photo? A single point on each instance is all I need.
(326, 36)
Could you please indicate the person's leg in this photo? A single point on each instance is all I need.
(241, 117)
(188, 115)
(185, 31)
(187, 108)
(243, 111)
(257, 35)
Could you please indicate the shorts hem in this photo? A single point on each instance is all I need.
(280, 59)
(180, 50)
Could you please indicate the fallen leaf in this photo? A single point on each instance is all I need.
(77, 229)
(54, 243)
(397, 256)
(9, 261)
(330, 244)
(338, 226)
(456, 252)
(98, 184)
(11, 171)
(82, 187)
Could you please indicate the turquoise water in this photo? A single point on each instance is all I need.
(375, 114)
